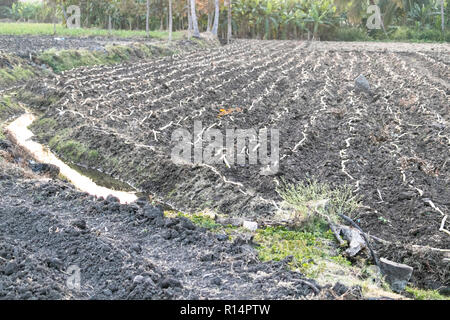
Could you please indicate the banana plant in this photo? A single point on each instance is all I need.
(319, 15)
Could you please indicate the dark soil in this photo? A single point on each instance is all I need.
(25, 45)
(123, 251)
(391, 146)
(402, 127)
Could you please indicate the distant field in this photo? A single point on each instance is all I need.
(47, 29)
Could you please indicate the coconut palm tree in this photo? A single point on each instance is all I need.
(147, 18)
(194, 20)
(188, 6)
(170, 20)
(357, 9)
(229, 22)
(216, 18)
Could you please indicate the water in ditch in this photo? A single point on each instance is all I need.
(86, 180)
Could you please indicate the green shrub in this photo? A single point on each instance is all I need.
(405, 34)
(347, 34)
(402, 33)
(420, 294)
(312, 195)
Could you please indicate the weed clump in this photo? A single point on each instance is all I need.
(420, 294)
(314, 202)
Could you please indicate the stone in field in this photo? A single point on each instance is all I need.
(43, 168)
(397, 274)
(250, 225)
(355, 239)
(362, 84)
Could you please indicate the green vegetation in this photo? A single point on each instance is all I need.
(340, 20)
(418, 35)
(47, 123)
(17, 73)
(425, 294)
(310, 249)
(312, 201)
(204, 221)
(402, 20)
(45, 129)
(59, 141)
(73, 150)
(69, 59)
(14, 69)
(8, 107)
(47, 29)
(308, 243)
(348, 34)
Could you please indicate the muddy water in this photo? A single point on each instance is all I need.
(22, 135)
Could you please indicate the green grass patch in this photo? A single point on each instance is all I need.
(309, 248)
(44, 129)
(310, 252)
(199, 219)
(68, 59)
(8, 107)
(71, 149)
(347, 34)
(47, 123)
(68, 149)
(93, 155)
(17, 73)
(74, 151)
(15, 69)
(305, 198)
(420, 294)
(40, 29)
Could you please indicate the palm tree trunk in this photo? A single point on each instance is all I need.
(194, 20)
(87, 14)
(208, 23)
(109, 25)
(54, 22)
(170, 20)
(442, 16)
(189, 15)
(216, 17)
(147, 15)
(229, 22)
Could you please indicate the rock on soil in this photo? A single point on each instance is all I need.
(397, 274)
(362, 84)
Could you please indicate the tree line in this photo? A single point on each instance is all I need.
(261, 19)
